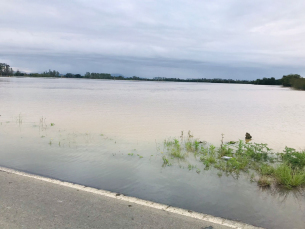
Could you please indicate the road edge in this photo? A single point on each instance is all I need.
(179, 211)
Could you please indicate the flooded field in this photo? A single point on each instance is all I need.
(110, 135)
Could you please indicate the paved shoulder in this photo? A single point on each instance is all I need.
(31, 203)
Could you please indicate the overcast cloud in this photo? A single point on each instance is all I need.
(236, 39)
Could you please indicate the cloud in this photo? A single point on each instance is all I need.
(221, 38)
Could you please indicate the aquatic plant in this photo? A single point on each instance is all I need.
(264, 181)
(289, 177)
(293, 158)
(266, 169)
(196, 145)
(19, 119)
(42, 123)
(231, 142)
(285, 169)
(189, 147)
(174, 148)
(52, 124)
(225, 150)
(165, 161)
(191, 167)
(207, 161)
(252, 177)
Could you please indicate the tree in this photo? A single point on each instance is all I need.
(6, 70)
(287, 80)
(1, 68)
(87, 75)
(69, 75)
(18, 73)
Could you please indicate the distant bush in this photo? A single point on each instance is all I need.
(298, 83)
(287, 80)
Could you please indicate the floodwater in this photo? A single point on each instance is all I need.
(109, 135)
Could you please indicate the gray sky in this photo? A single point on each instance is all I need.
(237, 39)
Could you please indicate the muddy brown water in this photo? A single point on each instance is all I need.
(109, 135)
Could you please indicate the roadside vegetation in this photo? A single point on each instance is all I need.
(285, 169)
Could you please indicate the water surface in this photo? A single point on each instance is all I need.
(109, 135)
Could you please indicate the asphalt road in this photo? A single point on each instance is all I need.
(26, 202)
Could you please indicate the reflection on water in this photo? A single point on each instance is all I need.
(109, 135)
(283, 194)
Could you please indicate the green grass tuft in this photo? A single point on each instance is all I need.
(264, 181)
(288, 177)
(166, 161)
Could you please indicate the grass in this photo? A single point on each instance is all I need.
(177, 153)
(266, 169)
(189, 147)
(174, 148)
(293, 158)
(288, 176)
(264, 181)
(191, 167)
(208, 160)
(252, 177)
(52, 124)
(166, 161)
(285, 169)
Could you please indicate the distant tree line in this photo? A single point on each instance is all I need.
(88, 75)
(268, 81)
(291, 80)
(202, 80)
(44, 74)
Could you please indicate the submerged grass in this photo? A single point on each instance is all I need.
(288, 176)
(286, 169)
(264, 181)
(266, 169)
(166, 161)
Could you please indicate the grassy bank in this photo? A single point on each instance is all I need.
(285, 169)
